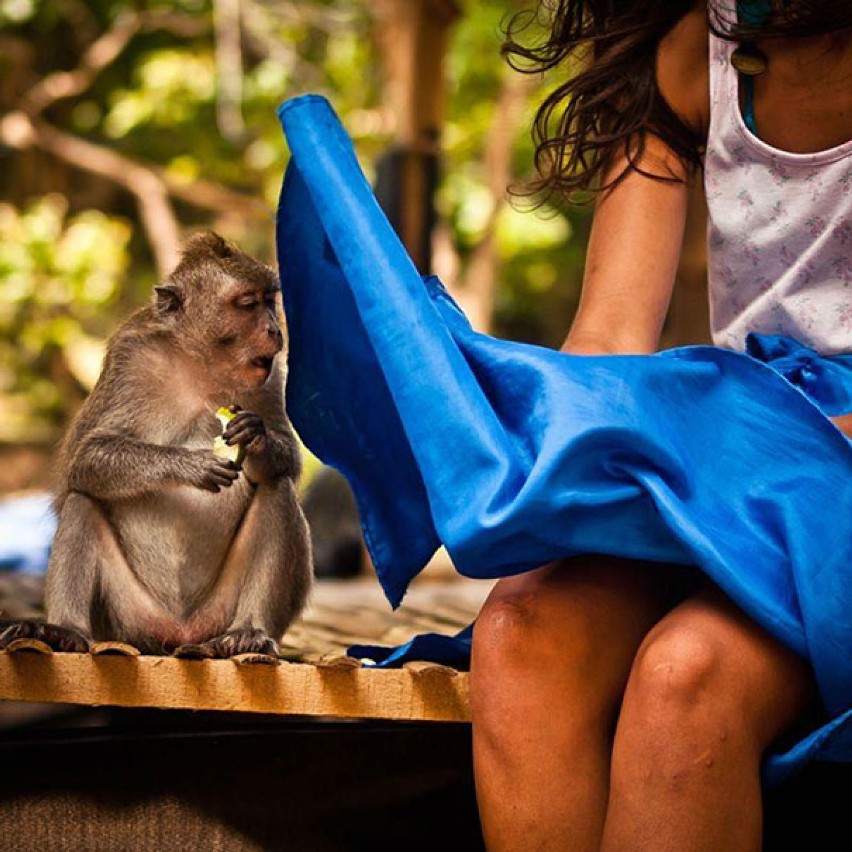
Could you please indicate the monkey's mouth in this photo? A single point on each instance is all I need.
(263, 362)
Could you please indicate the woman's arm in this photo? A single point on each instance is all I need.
(637, 231)
(631, 261)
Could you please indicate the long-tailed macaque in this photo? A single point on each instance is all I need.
(160, 542)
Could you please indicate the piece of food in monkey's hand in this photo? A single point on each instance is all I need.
(235, 453)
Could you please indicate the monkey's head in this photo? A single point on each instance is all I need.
(224, 309)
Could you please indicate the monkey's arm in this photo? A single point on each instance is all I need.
(115, 467)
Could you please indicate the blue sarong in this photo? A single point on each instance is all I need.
(514, 455)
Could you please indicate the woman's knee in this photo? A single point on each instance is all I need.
(588, 610)
(676, 671)
(527, 621)
(509, 621)
(682, 715)
(567, 631)
(529, 674)
(708, 674)
(510, 643)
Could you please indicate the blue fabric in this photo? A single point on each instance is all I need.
(448, 650)
(513, 455)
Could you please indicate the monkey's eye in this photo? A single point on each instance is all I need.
(246, 303)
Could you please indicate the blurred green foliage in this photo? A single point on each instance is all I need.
(73, 257)
(59, 274)
(541, 251)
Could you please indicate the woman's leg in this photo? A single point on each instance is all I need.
(708, 693)
(552, 650)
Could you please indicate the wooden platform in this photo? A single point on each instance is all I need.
(314, 677)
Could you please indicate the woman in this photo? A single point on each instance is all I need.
(642, 704)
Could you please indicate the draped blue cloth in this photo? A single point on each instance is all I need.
(513, 455)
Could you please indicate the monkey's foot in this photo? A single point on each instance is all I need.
(55, 637)
(248, 641)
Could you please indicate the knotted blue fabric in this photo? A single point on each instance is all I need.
(514, 455)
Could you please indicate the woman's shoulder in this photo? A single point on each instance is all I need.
(683, 69)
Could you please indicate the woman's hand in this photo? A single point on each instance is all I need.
(844, 424)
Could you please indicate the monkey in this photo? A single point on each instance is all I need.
(160, 543)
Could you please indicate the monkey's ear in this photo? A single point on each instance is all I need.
(169, 298)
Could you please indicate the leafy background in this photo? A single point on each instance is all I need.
(124, 126)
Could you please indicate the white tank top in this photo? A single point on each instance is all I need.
(779, 229)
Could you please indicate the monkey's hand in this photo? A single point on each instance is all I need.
(268, 457)
(211, 472)
(249, 429)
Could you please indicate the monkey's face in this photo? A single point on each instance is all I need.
(248, 333)
(225, 308)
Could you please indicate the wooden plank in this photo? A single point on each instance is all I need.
(341, 691)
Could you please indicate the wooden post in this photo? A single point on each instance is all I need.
(412, 35)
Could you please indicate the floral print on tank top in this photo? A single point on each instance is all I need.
(779, 230)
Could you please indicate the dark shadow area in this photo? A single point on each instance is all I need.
(808, 812)
(181, 780)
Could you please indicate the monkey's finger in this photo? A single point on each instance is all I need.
(221, 481)
(237, 425)
(250, 426)
(218, 463)
(243, 436)
(193, 652)
(19, 630)
(227, 470)
(242, 417)
(226, 478)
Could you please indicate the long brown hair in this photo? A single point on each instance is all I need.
(610, 101)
